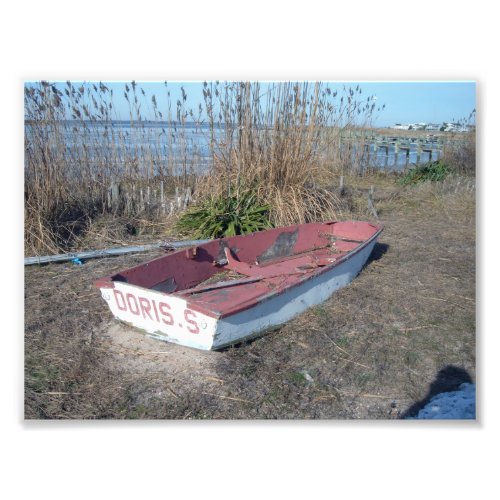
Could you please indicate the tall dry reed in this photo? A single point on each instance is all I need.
(283, 138)
(75, 150)
(280, 139)
(460, 154)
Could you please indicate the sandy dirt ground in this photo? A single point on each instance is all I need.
(380, 348)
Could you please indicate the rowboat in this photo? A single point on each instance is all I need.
(228, 290)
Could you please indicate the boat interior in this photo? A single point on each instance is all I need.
(228, 275)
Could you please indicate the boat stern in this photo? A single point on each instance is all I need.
(161, 316)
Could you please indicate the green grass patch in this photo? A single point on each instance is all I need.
(343, 341)
(411, 358)
(39, 376)
(432, 171)
(362, 379)
(320, 312)
(222, 216)
(137, 412)
(297, 378)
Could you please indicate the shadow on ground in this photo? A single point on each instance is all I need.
(448, 379)
(379, 250)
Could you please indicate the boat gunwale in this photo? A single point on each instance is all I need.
(108, 282)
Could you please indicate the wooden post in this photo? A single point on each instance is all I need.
(187, 197)
(178, 198)
(127, 202)
(419, 152)
(396, 154)
(341, 186)
(374, 154)
(371, 206)
(428, 151)
(115, 195)
(162, 199)
(365, 158)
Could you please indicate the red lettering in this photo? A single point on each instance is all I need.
(187, 313)
(135, 308)
(145, 307)
(119, 294)
(166, 314)
(155, 309)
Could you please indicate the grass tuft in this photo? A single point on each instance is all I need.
(221, 216)
(433, 171)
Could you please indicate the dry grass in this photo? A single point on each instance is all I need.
(375, 350)
(288, 139)
(277, 138)
(461, 154)
(74, 152)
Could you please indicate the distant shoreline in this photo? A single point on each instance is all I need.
(205, 125)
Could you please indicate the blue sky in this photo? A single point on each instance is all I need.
(405, 102)
(430, 102)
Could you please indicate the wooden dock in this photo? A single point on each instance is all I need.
(378, 148)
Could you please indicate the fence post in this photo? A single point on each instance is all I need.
(115, 195)
(178, 198)
(419, 152)
(396, 154)
(187, 197)
(374, 154)
(371, 206)
(162, 200)
(127, 202)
